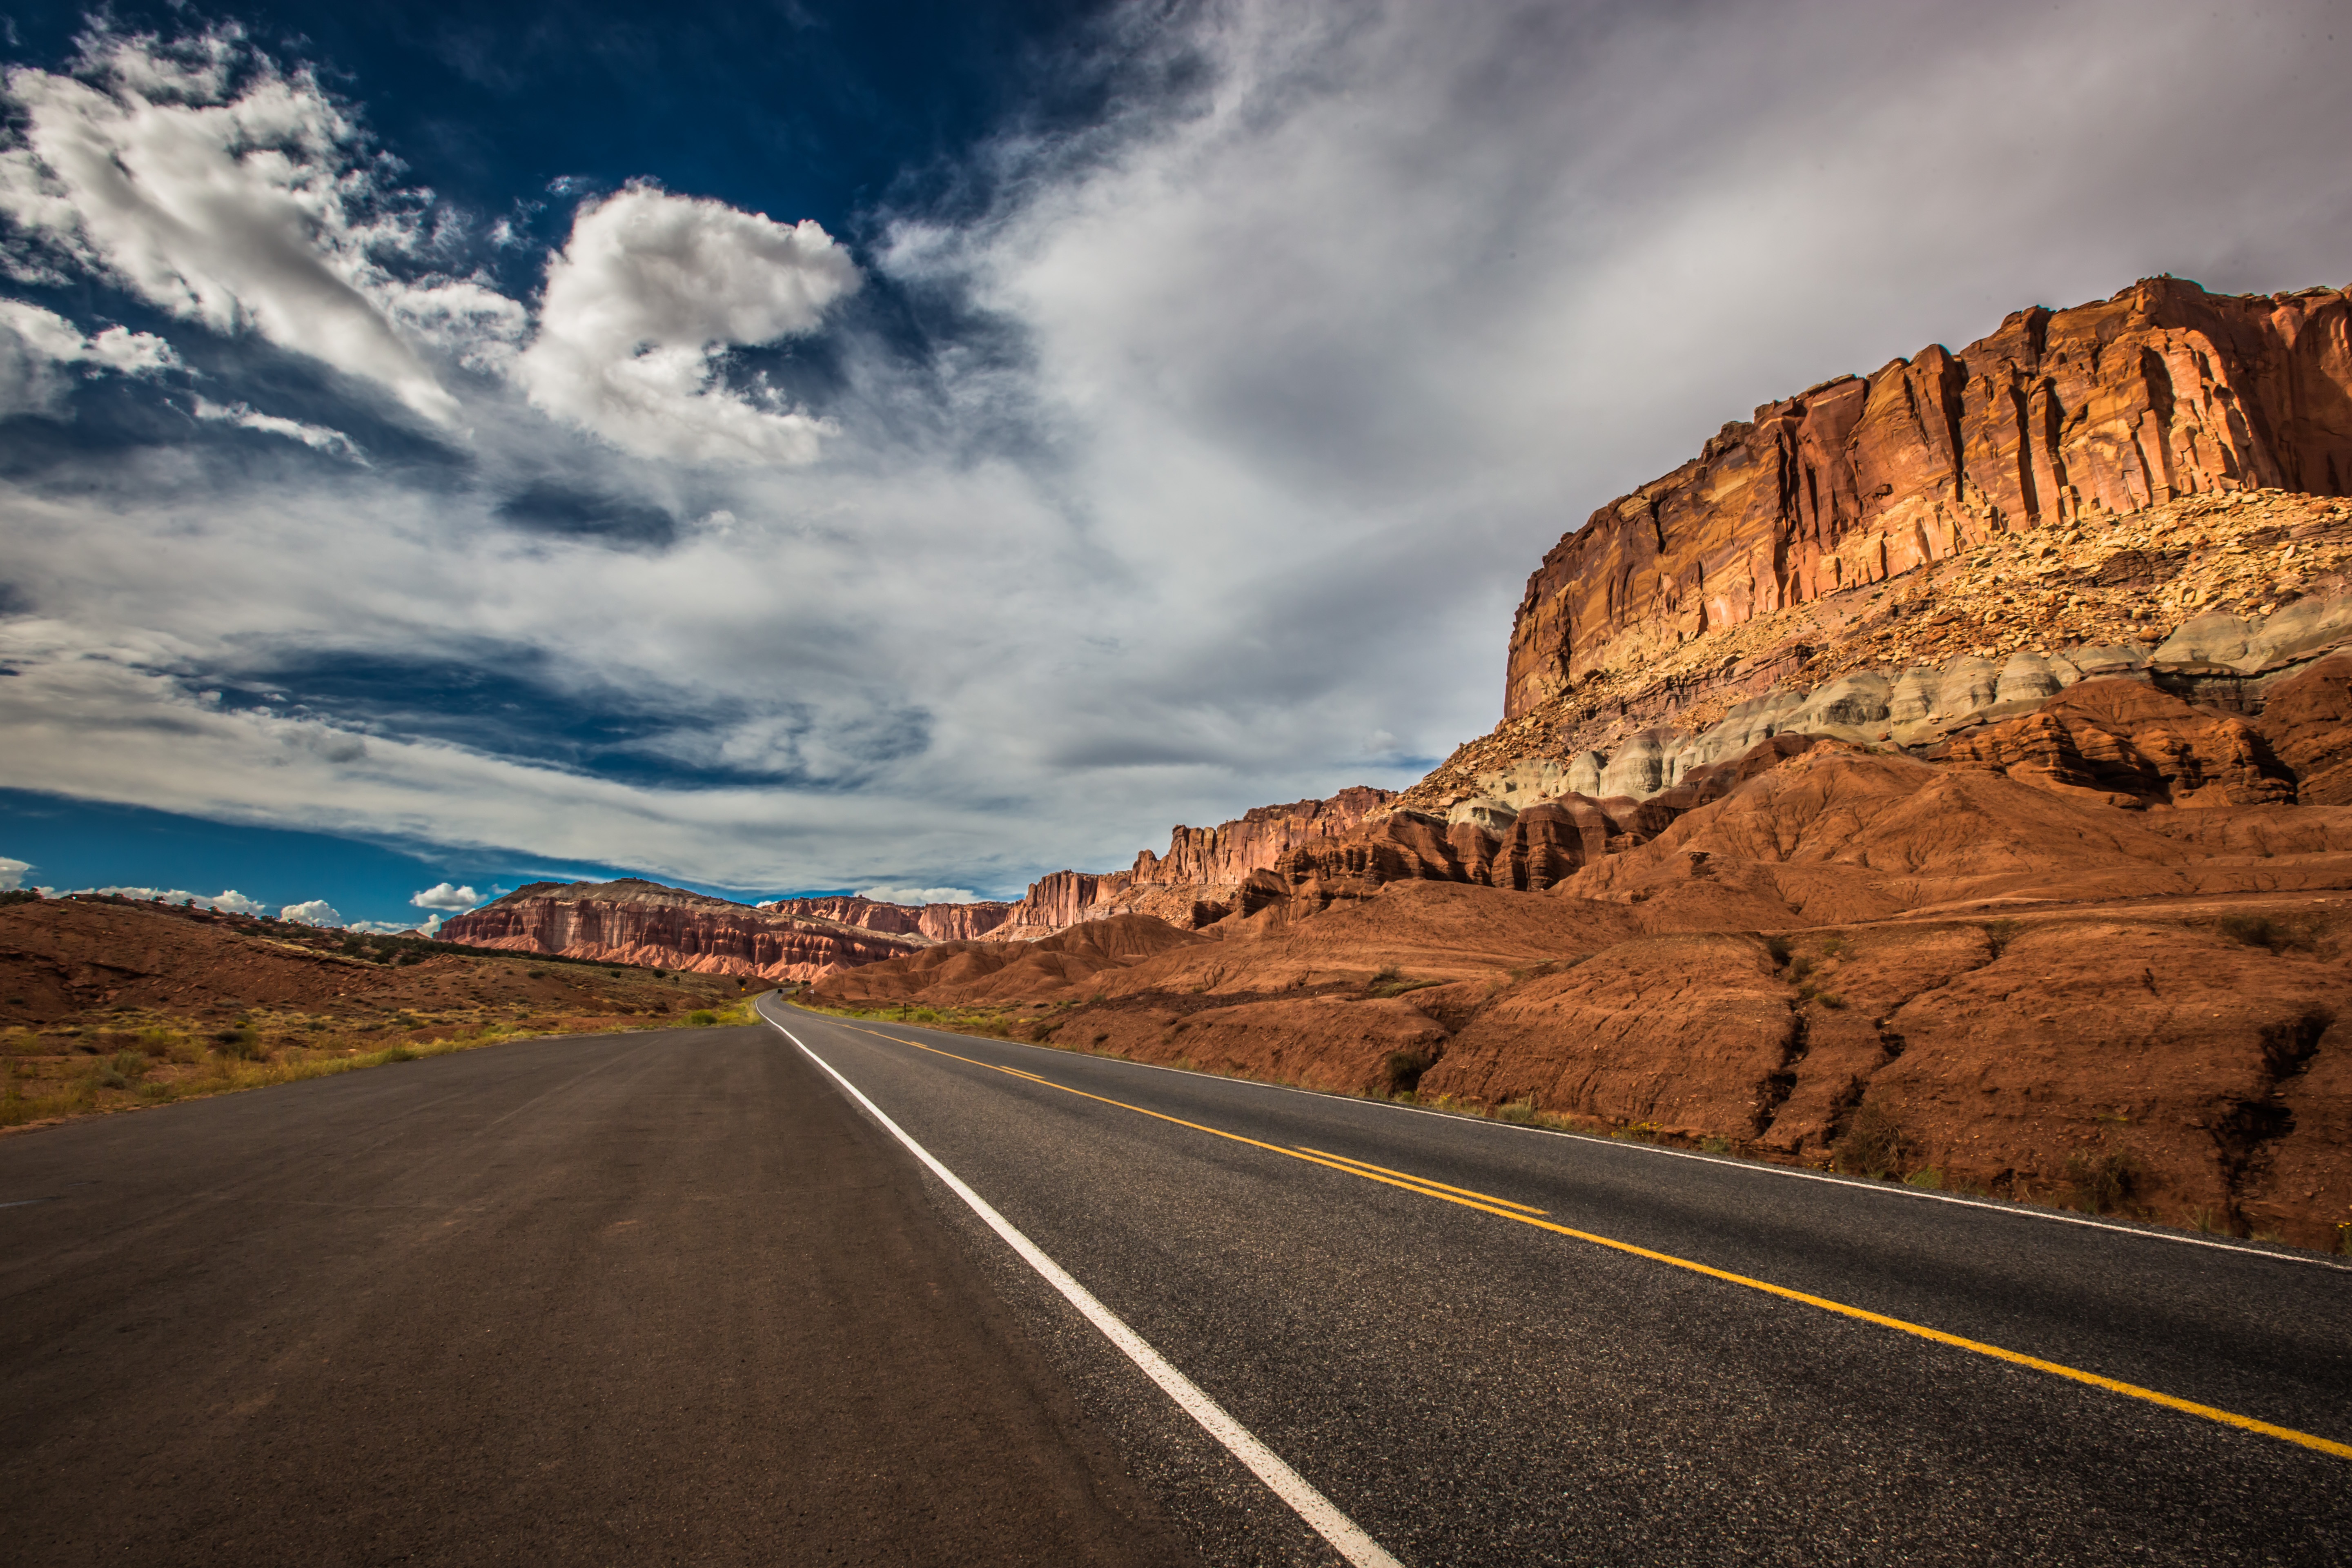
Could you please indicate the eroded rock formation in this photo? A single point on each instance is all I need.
(1195, 883)
(940, 922)
(637, 922)
(2161, 393)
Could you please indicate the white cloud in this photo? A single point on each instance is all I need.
(650, 290)
(12, 873)
(311, 912)
(428, 926)
(204, 180)
(34, 343)
(442, 895)
(920, 896)
(246, 417)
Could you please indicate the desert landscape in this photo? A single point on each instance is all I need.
(1908, 785)
(1121, 784)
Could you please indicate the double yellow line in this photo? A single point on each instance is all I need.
(1528, 1214)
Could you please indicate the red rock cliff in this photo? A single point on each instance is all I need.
(637, 922)
(1232, 850)
(2162, 392)
(1204, 867)
(940, 922)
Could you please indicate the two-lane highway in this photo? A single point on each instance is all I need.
(686, 1297)
(1491, 1344)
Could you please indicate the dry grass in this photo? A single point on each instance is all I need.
(85, 1067)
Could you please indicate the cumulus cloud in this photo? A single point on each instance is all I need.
(920, 896)
(33, 344)
(311, 912)
(646, 295)
(12, 873)
(442, 896)
(246, 417)
(208, 182)
(428, 926)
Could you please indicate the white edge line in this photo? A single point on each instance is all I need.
(1744, 1167)
(1328, 1522)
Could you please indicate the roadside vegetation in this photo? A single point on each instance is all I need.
(124, 1059)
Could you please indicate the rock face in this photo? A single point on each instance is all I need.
(2162, 392)
(2216, 599)
(1231, 851)
(1194, 884)
(2132, 745)
(637, 922)
(2307, 724)
(940, 922)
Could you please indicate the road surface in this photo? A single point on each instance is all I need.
(1345, 1281)
(683, 1298)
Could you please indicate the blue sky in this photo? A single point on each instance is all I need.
(917, 447)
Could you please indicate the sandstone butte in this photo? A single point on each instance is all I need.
(1949, 770)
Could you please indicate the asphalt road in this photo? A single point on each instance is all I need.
(1471, 1389)
(638, 1298)
(675, 1298)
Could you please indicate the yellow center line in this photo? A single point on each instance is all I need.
(1424, 1181)
(1489, 1206)
(1408, 1183)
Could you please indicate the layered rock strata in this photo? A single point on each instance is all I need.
(2161, 393)
(1195, 883)
(940, 922)
(637, 922)
(2215, 599)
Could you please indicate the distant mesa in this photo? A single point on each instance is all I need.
(633, 920)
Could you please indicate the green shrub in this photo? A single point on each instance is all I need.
(239, 1041)
(702, 1016)
(18, 896)
(1929, 1177)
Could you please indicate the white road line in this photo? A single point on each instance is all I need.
(1328, 1522)
(1744, 1167)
